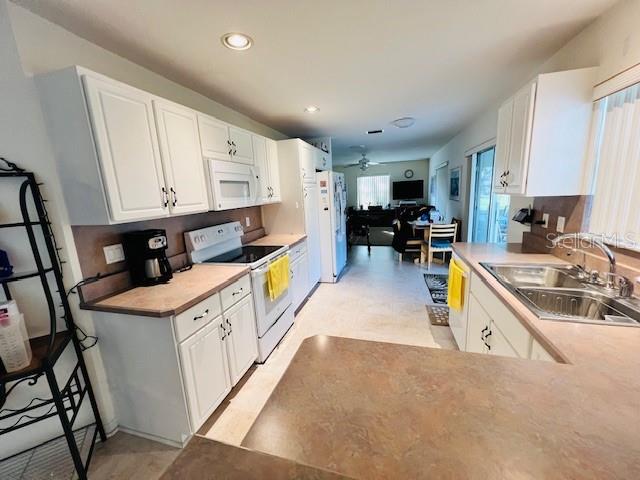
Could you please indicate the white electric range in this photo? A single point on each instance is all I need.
(222, 245)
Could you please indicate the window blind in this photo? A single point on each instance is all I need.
(616, 202)
(373, 190)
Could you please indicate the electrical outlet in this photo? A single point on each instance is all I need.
(560, 225)
(545, 220)
(247, 221)
(113, 253)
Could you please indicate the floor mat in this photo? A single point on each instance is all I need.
(438, 315)
(437, 285)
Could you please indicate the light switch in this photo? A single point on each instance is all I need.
(247, 221)
(560, 225)
(545, 220)
(113, 253)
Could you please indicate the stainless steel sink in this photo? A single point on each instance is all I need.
(561, 293)
(578, 306)
(536, 275)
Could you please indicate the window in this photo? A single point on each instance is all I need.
(373, 190)
(616, 167)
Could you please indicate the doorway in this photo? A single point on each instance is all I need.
(441, 193)
(488, 211)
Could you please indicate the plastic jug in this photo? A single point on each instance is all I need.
(15, 349)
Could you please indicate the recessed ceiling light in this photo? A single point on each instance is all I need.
(237, 41)
(404, 122)
(311, 109)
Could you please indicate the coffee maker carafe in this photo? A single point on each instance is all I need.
(146, 255)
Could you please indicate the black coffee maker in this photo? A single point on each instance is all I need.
(146, 255)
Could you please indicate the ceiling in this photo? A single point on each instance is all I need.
(362, 62)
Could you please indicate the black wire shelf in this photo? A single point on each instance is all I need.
(17, 276)
(67, 456)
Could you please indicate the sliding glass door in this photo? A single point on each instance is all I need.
(482, 196)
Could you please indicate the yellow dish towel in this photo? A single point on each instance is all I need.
(455, 292)
(278, 277)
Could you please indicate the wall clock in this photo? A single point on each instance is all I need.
(408, 173)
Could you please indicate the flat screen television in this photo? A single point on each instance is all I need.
(408, 190)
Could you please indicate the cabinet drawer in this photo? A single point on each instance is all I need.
(517, 335)
(196, 317)
(234, 292)
(297, 251)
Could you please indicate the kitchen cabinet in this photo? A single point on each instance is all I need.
(127, 145)
(205, 371)
(479, 323)
(181, 159)
(543, 134)
(241, 337)
(266, 161)
(322, 160)
(307, 163)
(214, 138)
(241, 144)
(168, 375)
(539, 353)
(299, 277)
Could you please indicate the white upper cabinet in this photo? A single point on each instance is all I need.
(274, 170)
(241, 144)
(214, 138)
(127, 144)
(181, 157)
(543, 135)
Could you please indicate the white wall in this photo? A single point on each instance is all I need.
(612, 42)
(395, 170)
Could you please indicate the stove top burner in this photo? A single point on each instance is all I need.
(245, 254)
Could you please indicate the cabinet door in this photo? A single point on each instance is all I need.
(498, 343)
(477, 326)
(242, 339)
(205, 371)
(520, 139)
(127, 145)
(214, 138)
(312, 229)
(262, 169)
(274, 170)
(181, 158)
(307, 163)
(503, 139)
(299, 281)
(242, 145)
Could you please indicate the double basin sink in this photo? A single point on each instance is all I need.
(559, 292)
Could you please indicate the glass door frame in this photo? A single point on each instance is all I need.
(472, 157)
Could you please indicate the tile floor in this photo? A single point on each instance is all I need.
(377, 298)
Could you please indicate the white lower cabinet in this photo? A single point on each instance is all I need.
(299, 280)
(241, 338)
(493, 329)
(205, 371)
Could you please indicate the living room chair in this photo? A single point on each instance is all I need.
(441, 239)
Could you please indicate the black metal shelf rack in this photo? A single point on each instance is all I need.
(65, 400)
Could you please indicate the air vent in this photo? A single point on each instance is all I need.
(374, 132)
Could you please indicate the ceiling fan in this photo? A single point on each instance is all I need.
(363, 163)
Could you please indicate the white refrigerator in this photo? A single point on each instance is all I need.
(332, 195)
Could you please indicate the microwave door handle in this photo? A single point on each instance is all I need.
(253, 186)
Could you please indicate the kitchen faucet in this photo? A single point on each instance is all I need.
(624, 285)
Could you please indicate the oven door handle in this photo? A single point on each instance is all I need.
(263, 270)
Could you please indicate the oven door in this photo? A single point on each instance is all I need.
(267, 311)
(233, 185)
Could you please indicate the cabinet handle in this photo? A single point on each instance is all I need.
(229, 142)
(229, 325)
(230, 151)
(482, 333)
(487, 345)
(224, 330)
(233, 143)
(202, 315)
(165, 198)
(234, 151)
(237, 292)
(175, 197)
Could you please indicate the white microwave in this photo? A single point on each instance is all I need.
(232, 185)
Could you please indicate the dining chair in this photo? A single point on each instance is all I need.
(441, 239)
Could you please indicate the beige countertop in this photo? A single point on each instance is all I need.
(290, 239)
(374, 410)
(183, 291)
